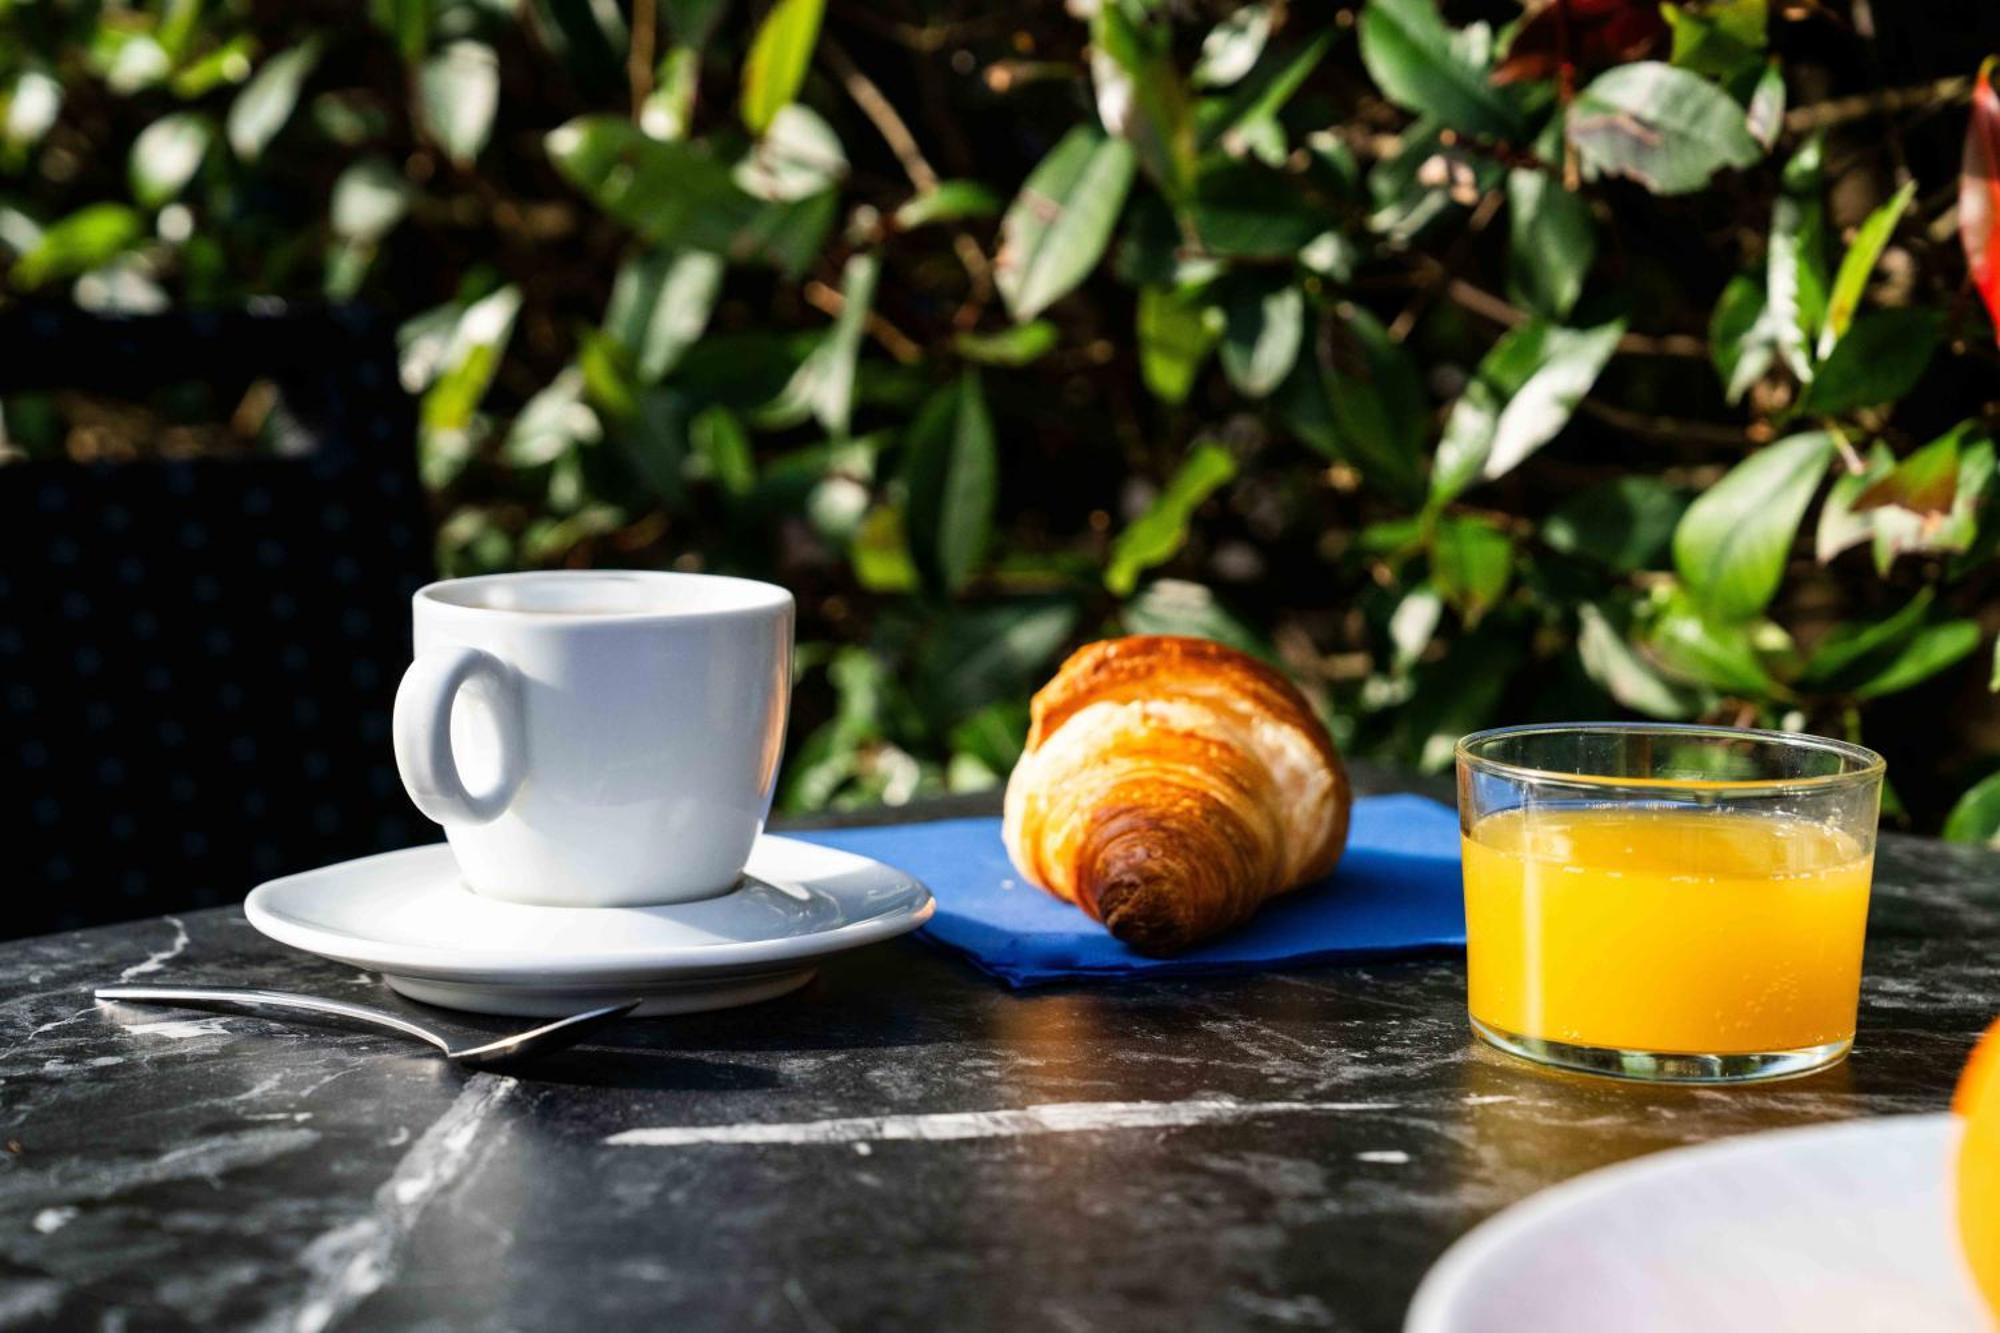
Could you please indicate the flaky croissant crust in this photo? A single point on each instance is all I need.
(1170, 786)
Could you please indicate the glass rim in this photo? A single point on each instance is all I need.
(1869, 766)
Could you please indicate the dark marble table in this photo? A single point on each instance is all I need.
(1306, 1143)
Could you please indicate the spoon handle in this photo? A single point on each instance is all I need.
(230, 998)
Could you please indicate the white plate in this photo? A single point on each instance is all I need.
(406, 915)
(1828, 1227)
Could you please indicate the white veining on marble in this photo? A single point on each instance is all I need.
(1386, 1156)
(55, 1023)
(1053, 1118)
(51, 1220)
(352, 1261)
(209, 1159)
(159, 958)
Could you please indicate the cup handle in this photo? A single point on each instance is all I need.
(422, 732)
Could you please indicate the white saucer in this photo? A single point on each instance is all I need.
(1828, 1227)
(406, 915)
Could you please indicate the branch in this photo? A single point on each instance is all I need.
(890, 125)
(1673, 430)
(1441, 273)
(639, 63)
(1500, 311)
(896, 342)
(1881, 102)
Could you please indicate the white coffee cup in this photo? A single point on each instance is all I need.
(597, 738)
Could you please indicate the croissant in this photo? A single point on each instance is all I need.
(1170, 786)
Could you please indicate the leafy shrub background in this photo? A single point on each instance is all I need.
(1476, 367)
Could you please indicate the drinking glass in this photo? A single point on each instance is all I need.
(1674, 903)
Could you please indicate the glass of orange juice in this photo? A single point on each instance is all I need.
(1673, 903)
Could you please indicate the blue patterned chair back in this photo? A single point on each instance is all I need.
(198, 656)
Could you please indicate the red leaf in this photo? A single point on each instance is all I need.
(1979, 191)
(1602, 33)
(1925, 483)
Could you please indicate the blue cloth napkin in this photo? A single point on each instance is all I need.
(1396, 892)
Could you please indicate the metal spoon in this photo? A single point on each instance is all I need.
(564, 1032)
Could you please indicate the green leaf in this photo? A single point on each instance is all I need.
(1551, 242)
(990, 652)
(953, 475)
(469, 361)
(1898, 529)
(880, 552)
(1692, 647)
(1472, 562)
(266, 102)
(1721, 39)
(1157, 535)
(1795, 263)
(1880, 359)
(1524, 392)
(1176, 606)
(1869, 241)
(1626, 523)
(1410, 54)
(1231, 47)
(654, 439)
(1140, 98)
(32, 106)
(1930, 650)
(134, 62)
(1258, 99)
(679, 194)
(607, 375)
(779, 56)
(1665, 128)
(823, 385)
(1850, 651)
(458, 91)
(799, 157)
(1245, 211)
(1732, 544)
(227, 63)
(1976, 816)
(1766, 116)
(369, 199)
(1177, 329)
(668, 111)
(660, 304)
(1358, 399)
(166, 156)
(1412, 626)
(1428, 179)
(552, 424)
(1017, 346)
(789, 236)
(1263, 329)
(1840, 526)
(1925, 483)
(408, 23)
(721, 452)
(86, 239)
(1058, 225)
(1623, 673)
(949, 201)
(1739, 338)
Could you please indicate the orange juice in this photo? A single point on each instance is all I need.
(1667, 930)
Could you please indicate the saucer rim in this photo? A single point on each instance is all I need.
(502, 967)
